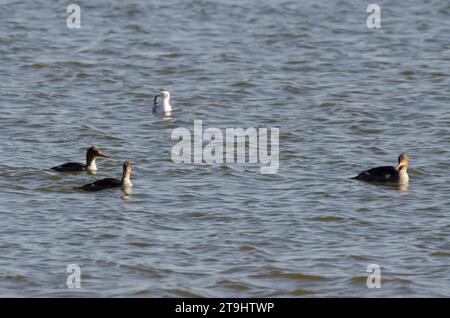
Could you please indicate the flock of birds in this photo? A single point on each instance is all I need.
(386, 174)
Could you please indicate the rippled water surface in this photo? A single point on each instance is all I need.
(345, 98)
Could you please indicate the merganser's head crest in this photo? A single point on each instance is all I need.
(93, 152)
(127, 167)
(403, 161)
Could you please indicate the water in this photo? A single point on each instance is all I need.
(345, 98)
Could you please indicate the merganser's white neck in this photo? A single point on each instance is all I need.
(126, 182)
(404, 178)
(126, 175)
(92, 166)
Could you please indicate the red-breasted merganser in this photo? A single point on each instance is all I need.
(389, 174)
(90, 166)
(109, 183)
(163, 106)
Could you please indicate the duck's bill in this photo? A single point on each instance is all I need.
(104, 156)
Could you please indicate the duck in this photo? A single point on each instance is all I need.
(92, 153)
(109, 183)
(164, 105)
(388, 174)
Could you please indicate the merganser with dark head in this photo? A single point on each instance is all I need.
(388, 174)
(90, 166)
(163, 106)
(109, 183)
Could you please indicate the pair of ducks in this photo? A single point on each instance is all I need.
(91, 155)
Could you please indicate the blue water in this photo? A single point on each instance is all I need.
(344, 97)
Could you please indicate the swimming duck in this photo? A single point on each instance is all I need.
(388, 174)
(163, 106)
(91, 154)
(109, 183)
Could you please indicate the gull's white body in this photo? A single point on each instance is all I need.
(164, 105)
